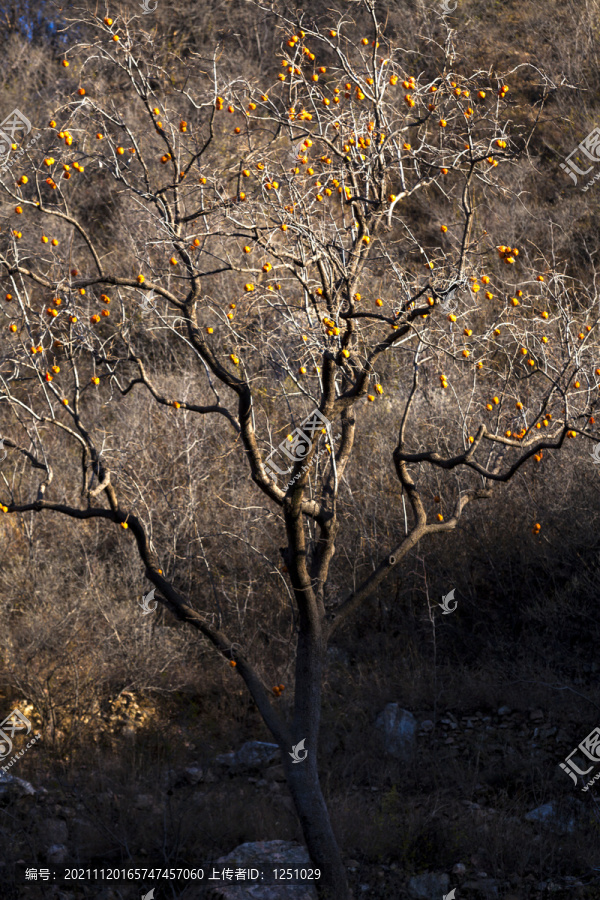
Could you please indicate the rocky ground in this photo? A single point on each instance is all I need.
(70, 823)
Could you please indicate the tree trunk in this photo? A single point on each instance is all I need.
(303, 782)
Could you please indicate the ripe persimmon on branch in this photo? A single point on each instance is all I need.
(315, 243)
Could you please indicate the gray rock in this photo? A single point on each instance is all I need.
(560, 822)
(540, 813)
(428, 886)
(504, 711)
(10, 784)
(427, 725)
(56, 854)
(264, 856)
(251, 755)
(193, 774)
(459, 869)
(398, 727)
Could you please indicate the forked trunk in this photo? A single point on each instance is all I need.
(303, 782)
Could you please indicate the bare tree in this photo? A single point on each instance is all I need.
(299, 245)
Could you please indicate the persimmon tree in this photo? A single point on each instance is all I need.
(308, 246)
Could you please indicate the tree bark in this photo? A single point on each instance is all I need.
(303, 777)
(303, 782)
